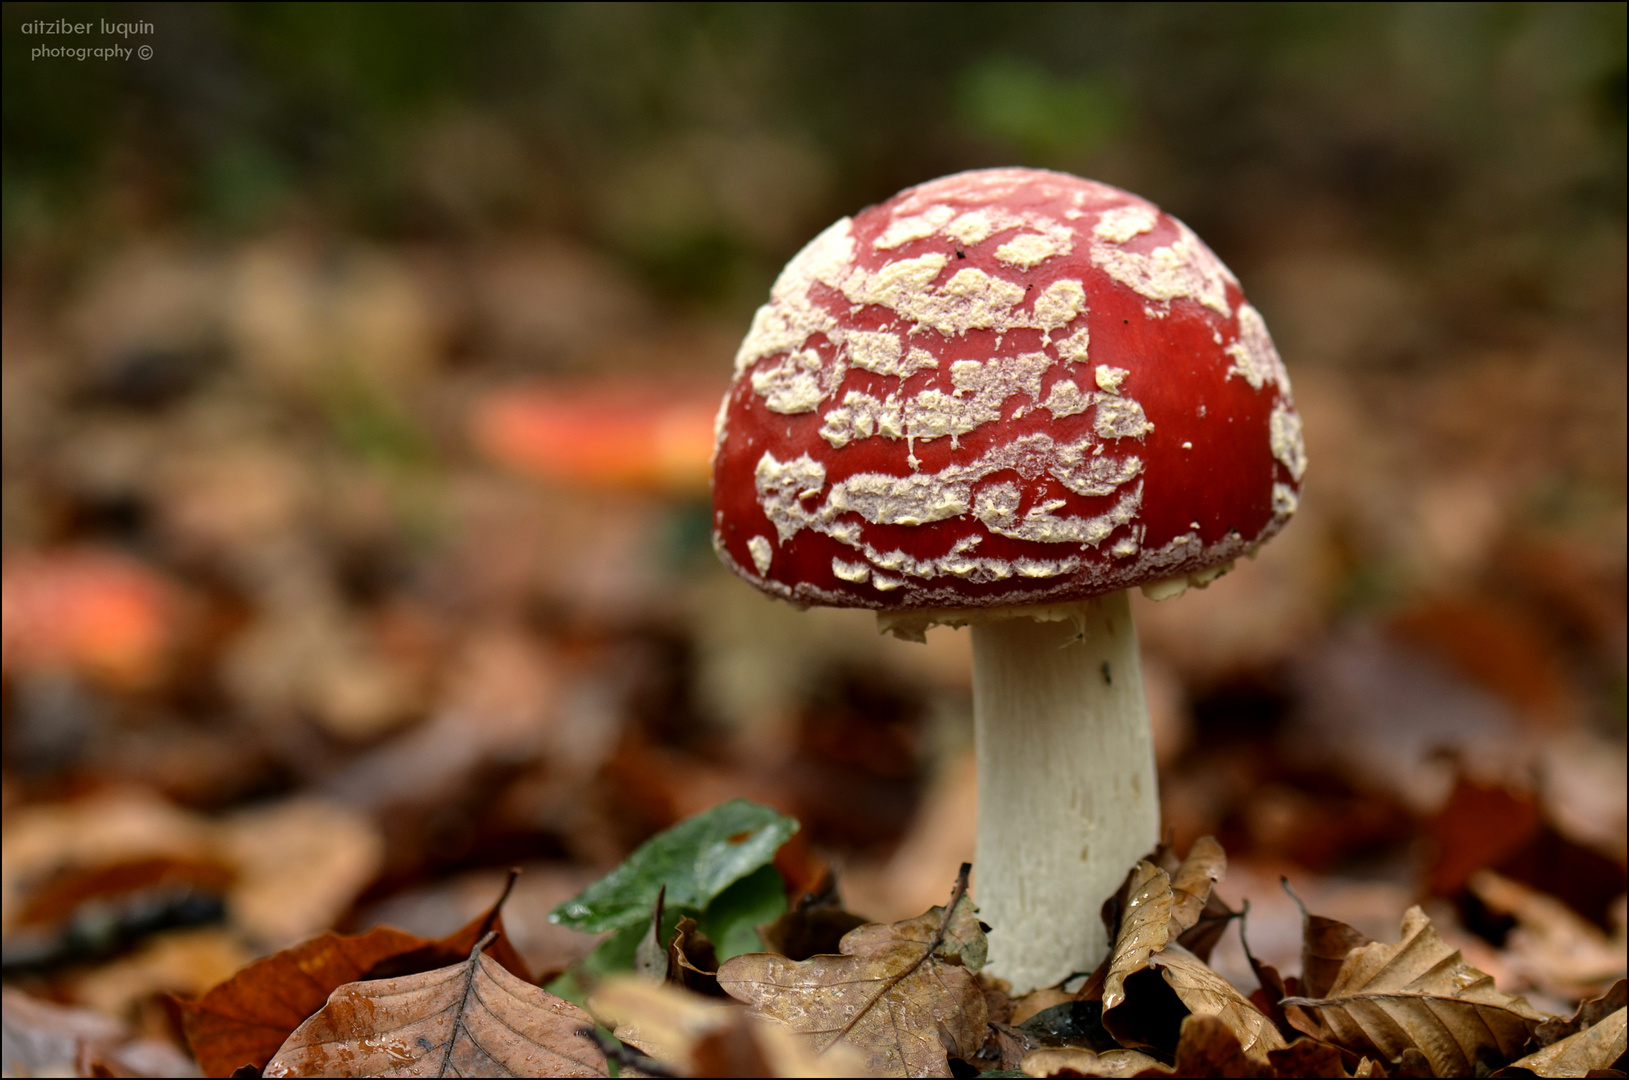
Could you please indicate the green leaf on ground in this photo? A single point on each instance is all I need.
(731, 921)
(697, 859)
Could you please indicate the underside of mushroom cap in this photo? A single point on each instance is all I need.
(1001, 387)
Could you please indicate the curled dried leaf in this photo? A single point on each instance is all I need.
(1191, 885)
(1420, 995)
(1145, 928)
(1595, 1047)
(1588, 1014)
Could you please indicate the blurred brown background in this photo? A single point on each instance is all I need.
(321, 578)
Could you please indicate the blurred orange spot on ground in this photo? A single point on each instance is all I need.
(94, 612)
(610, 435)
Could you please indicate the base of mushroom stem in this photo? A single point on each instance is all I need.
(1068, 794)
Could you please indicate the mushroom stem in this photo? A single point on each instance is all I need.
(1067, 788)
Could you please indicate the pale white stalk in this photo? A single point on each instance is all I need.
(1067, 788)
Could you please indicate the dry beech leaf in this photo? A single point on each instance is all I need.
(1420, 995)
(1589, 1013)
(1070, 1060)
(904, 994)
(1595, 1047)
(1207, 994)
(696, 1036)
(246, 1018)
(1152, 918)
(1145, 928)
(467, 1019)
(1205, 865)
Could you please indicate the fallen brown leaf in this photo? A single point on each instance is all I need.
(1579, 1054)
(1420, 995)
(246, 1018)
(1205, 865)
(695, 1036)
(1589, 1013)
(1072, 1061)
(1153, 916)
(1206, 994)
(467, 1019)
(1145, 928)
(904, 994)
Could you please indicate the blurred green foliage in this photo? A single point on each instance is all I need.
(704, 141)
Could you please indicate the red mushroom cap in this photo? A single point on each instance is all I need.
(1001, 387)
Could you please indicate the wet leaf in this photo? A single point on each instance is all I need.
(245, 1019)
(1166, 980)
(468, 1019)
(1420, 995)
(1077, 1024)
(1191, 885)
(1145, 928)
(697, 1037)
(696, 859)
(1596, 1047)
(903, 994)
(1204, 993)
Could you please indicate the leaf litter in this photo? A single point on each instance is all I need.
(888, 999)
(470, 1019)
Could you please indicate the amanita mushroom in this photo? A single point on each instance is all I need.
(1002, 398)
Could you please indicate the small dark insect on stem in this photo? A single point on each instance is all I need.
(626, 1056)
(1108, 678)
